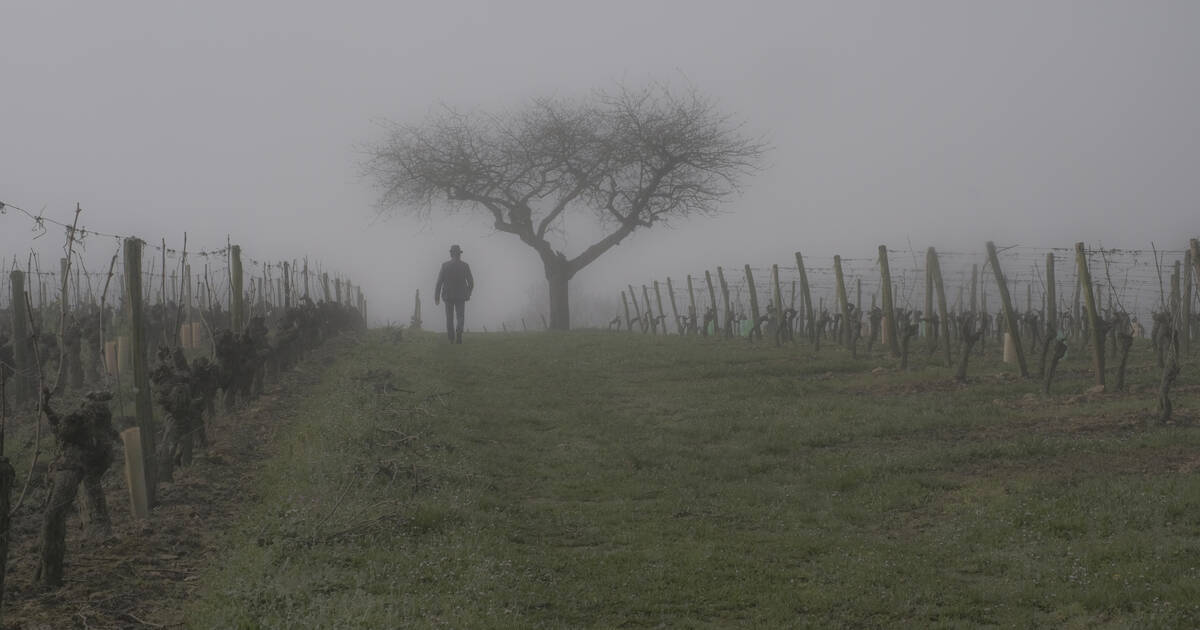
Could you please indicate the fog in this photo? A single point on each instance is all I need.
(902, 123)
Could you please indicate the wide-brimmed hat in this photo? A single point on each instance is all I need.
(455, 249)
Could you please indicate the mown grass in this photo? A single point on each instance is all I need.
(610, 480)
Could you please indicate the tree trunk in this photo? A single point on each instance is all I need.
(54, 527)
(558, 279)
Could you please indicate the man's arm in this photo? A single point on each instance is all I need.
(470, 281)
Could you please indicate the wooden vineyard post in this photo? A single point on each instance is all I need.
(187, 305)
(237, 303)
(692, 306)
(927, 315)
(1185, 306)
(287, 286)
(637, 310)
(843, 303)
(943, 310)
(305, 275)
(727, 317)
(649, 311)
(1095, 330)
(1051, 327)
(337, 290)
(889, 311)
(806, 295)
(1010, 317)
(1194, 250)
(628, 321)
(712, 301)
(22, 352)
(674, 308)
(754, 326)
(776, 294)
(135, 473)
(1077, 313)
(974, 287)
(143, 411)
(662, 314)
(325, 286)
(64, 273)
(1175, 301)
(1093, 323)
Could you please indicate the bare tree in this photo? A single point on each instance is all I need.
(628, 158)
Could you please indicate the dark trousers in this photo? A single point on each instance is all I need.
(454, 332)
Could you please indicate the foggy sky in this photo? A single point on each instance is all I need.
(936, 123)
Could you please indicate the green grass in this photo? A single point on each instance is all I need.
(613, 480)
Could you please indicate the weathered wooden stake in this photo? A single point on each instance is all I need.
(305, 274)
(889, 310)
(143, 411)
(974, 287)
(692, 305)
(727, 318)
(806, 295)
(777, 292)
(754, 313)
(642, 323)
(287, 286)
(1051, 298)
(662, 314)
(1194, 250)
(237, 304)
(1010, 316)
(1185, 306)
(712, 301)
(928, 314)
(135, 473)
(650, 311)
(1095, 327)
(22, 382)
(628, 321)
(674, 308)
(943, 310)
(843, 303)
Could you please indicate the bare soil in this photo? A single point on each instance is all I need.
(141, 575)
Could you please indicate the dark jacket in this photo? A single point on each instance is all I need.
(454, 281)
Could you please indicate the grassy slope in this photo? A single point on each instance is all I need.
(596, 480)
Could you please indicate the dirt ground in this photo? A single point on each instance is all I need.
(141, 576)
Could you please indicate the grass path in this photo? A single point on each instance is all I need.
(597, 480)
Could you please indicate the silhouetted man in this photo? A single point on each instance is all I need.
(454, 286)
